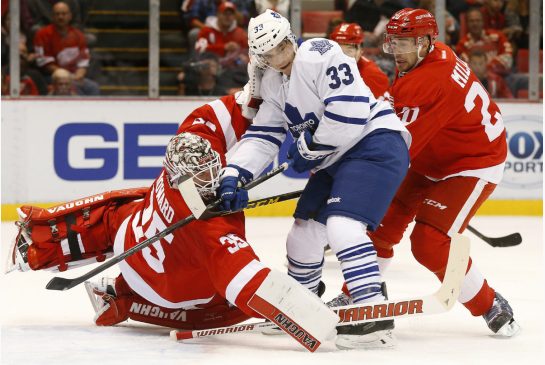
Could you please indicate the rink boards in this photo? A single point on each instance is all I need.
(59, 150)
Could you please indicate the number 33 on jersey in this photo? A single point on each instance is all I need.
(454, 123)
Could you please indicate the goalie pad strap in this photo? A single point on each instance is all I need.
(72, 236)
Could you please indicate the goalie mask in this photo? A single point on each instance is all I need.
(191, 156)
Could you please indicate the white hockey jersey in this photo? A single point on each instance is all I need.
(324, 95)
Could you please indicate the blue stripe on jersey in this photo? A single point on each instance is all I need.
(343, 119)
(355, 99)
(265, 137)
(256, 128)
(383, 113)
(372, 106)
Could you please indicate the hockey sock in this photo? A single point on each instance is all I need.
(307, 274)
(357, 256)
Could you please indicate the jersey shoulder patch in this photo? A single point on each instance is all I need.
(314, 47)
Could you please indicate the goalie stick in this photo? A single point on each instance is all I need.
(439, 302)
(59, 283)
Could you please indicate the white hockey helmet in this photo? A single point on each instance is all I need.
(190, 154)
(267, 30)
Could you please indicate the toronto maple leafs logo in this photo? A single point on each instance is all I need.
(321, 46)
(275, 15)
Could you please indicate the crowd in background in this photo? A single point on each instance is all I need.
(491, 35)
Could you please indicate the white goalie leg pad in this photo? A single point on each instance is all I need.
(296, 310)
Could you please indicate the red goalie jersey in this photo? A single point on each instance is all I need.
(205, 260)
(456, 128)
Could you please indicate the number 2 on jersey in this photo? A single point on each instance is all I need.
(493, 131)
(333, 73)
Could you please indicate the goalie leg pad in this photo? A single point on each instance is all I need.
(114, 302)
(71, 234)
(297, 311)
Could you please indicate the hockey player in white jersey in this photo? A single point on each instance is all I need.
(354, 145)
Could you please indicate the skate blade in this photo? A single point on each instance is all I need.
(508, 330)
(376, 340)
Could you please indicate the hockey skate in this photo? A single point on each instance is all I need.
(18, 259)
(272, 331)
(99, 292)
(371, 335)
(500, 318)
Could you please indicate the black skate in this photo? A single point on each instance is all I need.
(500, 318)
(370, 335)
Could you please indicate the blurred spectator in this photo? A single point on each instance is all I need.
(246, 9)
(62, 83)
(490, 41)
(42, 12)
(225, 38)
(496, 86)
(32, 81)
(350, 38)
(26, 20)
(201, 78)
(280, 6)
(452, 28)
(494, 18)
(60, 45)
(372, 16)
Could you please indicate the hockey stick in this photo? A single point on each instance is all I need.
(439, 302)
(58, 283)
(510, 240)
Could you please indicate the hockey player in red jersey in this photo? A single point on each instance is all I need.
(200, 276)
(457, 157)
(350, 38)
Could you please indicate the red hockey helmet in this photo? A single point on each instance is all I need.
(409, 23)
(347, 33)
(413, 23)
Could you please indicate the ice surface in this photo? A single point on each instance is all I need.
(47, 327)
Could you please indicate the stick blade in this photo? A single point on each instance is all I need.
(58, 283)
(511, 240)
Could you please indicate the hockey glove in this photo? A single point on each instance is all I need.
(306, 154)
(233, 196)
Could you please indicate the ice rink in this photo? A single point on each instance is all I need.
(45, 327)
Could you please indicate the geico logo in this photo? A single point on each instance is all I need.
(94, 151)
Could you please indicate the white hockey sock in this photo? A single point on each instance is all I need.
(357, 256)
(306, 274)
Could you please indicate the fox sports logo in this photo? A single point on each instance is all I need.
(524, 165)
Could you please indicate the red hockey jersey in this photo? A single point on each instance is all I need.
(205, 261)
(373, 77)
(456, 128)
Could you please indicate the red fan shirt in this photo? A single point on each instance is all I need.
(68, 51)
